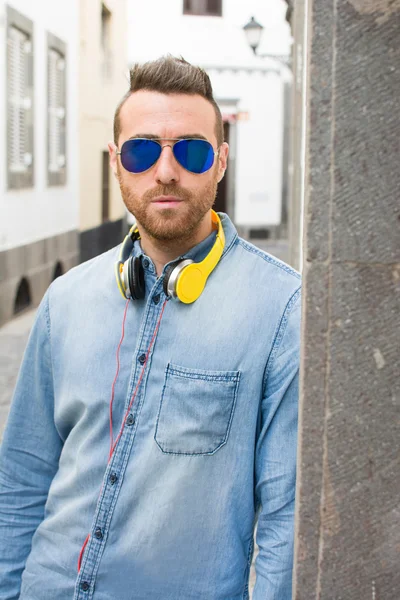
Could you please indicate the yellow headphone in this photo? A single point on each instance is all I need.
(184, 279)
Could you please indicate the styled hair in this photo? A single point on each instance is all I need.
(170, 75)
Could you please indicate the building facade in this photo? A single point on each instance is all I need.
(64, 69)
(103, 80)
(250, 91)
(39, 181)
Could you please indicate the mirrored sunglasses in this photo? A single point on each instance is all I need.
(194, 155)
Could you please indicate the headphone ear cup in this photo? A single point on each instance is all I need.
(167, 275)
(136, 278)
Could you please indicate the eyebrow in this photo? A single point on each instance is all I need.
(150, 136)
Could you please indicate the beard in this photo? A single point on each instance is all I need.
(170, 223)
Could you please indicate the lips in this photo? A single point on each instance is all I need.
(166, 199)
(165, 202)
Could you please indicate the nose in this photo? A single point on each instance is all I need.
(167, 169)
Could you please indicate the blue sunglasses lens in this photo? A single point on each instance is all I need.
(196, 156)
(138, 155)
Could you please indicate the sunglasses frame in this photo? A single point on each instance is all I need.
(175, 140)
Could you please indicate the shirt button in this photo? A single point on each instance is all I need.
(85, 586)
(146, 263)
(113, 478)
(142, 359)
(130, 420)
(98, 533)
(156, 299)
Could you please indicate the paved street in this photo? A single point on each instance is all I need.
(13, 338)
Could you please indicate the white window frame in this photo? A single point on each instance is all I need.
(20, 159)
(56, 112)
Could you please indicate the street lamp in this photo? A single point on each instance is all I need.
(253, 31)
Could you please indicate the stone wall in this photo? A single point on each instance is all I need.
(38, 264)
(348, 496)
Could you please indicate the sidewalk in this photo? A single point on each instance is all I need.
(13, 338)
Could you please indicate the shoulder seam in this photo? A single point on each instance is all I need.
(269, 258)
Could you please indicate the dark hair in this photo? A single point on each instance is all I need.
(170, 75)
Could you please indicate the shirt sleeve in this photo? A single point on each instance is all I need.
(29, 455)
(275, 462)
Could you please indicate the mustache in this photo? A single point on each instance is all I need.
(167, 190)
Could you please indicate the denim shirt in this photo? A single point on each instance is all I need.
(207, 448)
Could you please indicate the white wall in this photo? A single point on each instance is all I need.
(98, 99)
(157, 27)
(35, 213)
(259, 144)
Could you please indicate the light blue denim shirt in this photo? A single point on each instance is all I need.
(208, 446)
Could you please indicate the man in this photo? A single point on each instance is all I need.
(151, 428)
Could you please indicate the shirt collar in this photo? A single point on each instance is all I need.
(198, 252)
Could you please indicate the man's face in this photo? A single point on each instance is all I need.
(168, 202)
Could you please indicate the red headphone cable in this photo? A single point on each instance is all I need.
(112, 443)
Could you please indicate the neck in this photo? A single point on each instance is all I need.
(162, 252)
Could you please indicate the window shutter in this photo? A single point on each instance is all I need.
(56, 106)
(214, 7)
(203, 7)
(19, 107)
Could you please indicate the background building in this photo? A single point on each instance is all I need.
(103, 81)
(249, 90)
(64, 69)
(39, 185)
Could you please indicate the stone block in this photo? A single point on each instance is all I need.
(15, 262)
(366, 211)
(318, 176)
(360, 537)
(8, 290)
(51, 249)
(3, 266)
(39, 280)
(34, 255)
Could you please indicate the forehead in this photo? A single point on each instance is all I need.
(167, 115)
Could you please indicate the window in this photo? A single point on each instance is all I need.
(56, 108)
(19, 101)
(209, 8)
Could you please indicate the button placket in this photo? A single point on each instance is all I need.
(108, 499)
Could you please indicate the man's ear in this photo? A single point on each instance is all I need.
(222, 160)
(112, 149)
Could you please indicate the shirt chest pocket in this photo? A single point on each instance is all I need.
(196, 410)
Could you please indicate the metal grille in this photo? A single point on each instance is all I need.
(56, 111)
(19, 154)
